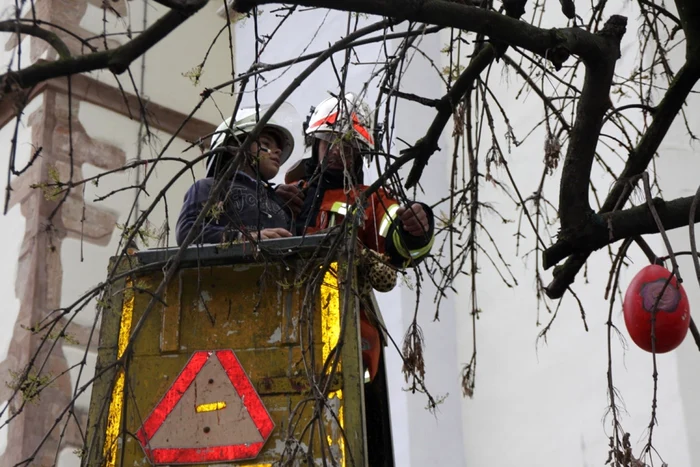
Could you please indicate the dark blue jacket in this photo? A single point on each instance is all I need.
(246, 205)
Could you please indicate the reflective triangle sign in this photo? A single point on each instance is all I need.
(211, 413)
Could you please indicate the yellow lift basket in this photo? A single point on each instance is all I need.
(235, 364)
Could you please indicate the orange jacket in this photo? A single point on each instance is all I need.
(378, 232)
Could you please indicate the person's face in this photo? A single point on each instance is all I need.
(267, 150)
(338, 155)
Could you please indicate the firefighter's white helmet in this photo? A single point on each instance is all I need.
(351, 118)
(246, 118)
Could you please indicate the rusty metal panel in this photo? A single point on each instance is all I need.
(255, 310)
(170, 330)
(110, 307)
(353, 391)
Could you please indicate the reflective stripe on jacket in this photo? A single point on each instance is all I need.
(378, 231)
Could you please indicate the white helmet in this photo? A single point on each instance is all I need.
(329, 118)
(246, 119)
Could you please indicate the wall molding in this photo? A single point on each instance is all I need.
(96, 92)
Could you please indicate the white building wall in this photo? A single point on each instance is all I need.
(678, 166)
(175, 55)
(12, 226)
(433, 438)
(545, 405)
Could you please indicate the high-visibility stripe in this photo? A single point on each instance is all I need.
(399, 245)
(330, 312)
(340, 208)
(114, 415)
(417, 253)
(411, 254)
(387, 219)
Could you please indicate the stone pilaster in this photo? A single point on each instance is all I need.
(40, 273)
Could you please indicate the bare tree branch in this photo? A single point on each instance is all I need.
(427, 145)
(639, 159)
(184, 6)
(574, 207)
(689, 12)
(661, 10)
(116, 60)
(553, 44)
(33, 30)
(618, 225)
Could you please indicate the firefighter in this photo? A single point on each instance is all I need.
(249, 207)
(329, 184)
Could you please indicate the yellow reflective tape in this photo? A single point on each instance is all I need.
(341, 419)
(386, 220)
(411, 254)
(398, 244)
(423, 251)
(340, 208)
(114, 416)
(114, 421)
(330, 331)
(330, 311)
(211, 407)
(125, 325)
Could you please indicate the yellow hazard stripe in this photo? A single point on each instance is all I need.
(211, 407)
(330, 331)
(387, 219)
(114, 416)
(330, 311)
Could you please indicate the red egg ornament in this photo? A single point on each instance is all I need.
(672, 310)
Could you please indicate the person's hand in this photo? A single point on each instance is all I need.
(291, 196)
(277, 232)
(414, 219)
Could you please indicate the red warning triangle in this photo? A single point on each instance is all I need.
(211, 413)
